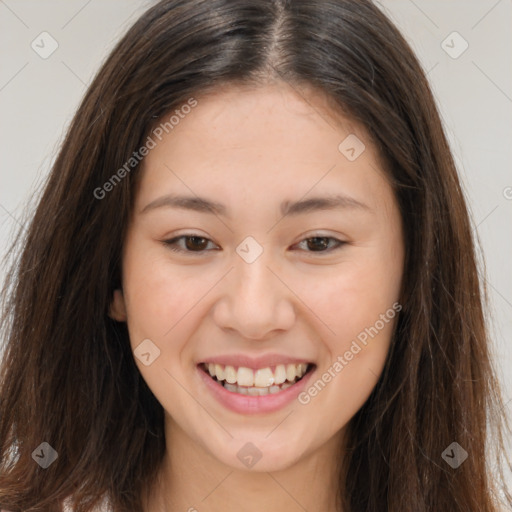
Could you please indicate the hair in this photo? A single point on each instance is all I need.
(68, 376)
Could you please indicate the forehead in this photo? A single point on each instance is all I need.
(263, 139)
(256, 114)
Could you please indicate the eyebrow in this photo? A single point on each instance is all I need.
(203, 205)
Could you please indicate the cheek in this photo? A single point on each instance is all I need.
(360, 306)
(161, 303)
(359, 303)
(352, 297)
(159, 298)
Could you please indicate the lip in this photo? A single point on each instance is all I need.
(254, 363)
(245, 404)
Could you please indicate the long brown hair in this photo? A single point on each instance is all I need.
(68, 376)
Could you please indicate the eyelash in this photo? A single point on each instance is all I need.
(172, 244)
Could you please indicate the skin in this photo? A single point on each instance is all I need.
(250, 149)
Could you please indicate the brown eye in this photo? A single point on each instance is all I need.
(318, 243)
(321, 243)
(192, 244)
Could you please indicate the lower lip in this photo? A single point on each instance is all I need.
(245, 404)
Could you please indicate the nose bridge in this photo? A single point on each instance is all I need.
(251, 272)
(253, 280)
(255, 301)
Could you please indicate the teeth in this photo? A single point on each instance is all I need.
(280, 374)
(290, 372)
(244, 377)
(219, 372)
(263, 378)
(255, 391)
(255, 382)
(230, 373)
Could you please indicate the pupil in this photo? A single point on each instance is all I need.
(315, 240)
(194, 240)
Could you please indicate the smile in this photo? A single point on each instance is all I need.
(256, 382)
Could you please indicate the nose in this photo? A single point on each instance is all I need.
(255, 302)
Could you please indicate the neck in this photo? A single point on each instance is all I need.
(192, 480)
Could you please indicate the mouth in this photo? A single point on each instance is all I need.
(270, 380)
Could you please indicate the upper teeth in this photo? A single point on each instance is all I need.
(262, 377)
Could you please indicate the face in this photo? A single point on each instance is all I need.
(261, 275)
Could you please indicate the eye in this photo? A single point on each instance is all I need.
(322, 243)
(192, 243)
(198, 244)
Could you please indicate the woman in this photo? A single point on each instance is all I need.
(250, 282)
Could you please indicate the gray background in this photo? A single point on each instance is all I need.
(474, 91)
